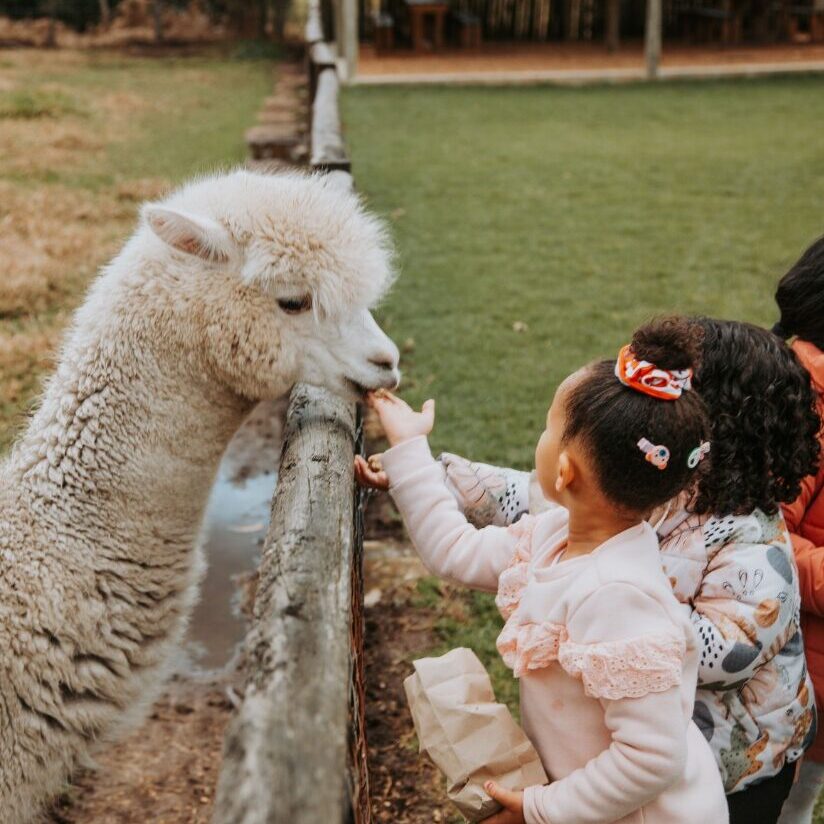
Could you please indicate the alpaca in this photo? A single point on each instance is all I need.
(231, 290)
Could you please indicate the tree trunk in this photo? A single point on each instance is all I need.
(105, 13)
(280, 10)
(263, 18)
(51, 32)
(613, 24)
(574, 19)
(157, 17)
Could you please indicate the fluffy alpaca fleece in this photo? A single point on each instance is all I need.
(230, 291)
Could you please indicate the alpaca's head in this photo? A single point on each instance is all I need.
(289, 267)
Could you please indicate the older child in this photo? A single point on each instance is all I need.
(729, 559)
(800, 297)
(606, 657)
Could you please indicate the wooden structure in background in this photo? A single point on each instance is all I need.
(422, 11)
(511, 19)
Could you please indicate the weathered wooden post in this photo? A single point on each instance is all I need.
(285, 753)
(652, 39)
(328, 150)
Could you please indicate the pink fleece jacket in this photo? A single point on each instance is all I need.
(606, 656)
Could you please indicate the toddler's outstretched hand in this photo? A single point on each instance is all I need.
(368, 473)
(400, 422)
(512, 801)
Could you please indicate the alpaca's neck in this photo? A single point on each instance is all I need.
(127, 443)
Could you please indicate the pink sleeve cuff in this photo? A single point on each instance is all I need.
(406, 459)
(535, 804)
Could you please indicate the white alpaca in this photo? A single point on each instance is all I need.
(231, 290)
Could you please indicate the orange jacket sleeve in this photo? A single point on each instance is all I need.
(809, 557)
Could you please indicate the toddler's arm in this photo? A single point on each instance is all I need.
(629, 654)
(447, 543)
(487, 495)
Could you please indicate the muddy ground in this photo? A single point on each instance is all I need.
(165, 772)
(405, 788)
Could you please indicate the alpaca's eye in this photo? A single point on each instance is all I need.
(295, 306)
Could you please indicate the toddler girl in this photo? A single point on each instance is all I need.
(606, 656)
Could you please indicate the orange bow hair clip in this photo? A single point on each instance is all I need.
(646, 377)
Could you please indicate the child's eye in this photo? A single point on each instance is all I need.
(295, 306)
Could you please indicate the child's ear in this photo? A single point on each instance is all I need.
(566, 472)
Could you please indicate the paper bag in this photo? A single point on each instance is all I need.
(469, 736)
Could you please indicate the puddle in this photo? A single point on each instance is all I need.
(237, 518)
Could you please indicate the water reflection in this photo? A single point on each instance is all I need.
(237, 518)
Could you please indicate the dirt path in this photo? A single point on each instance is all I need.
(522, 57)
(405, 788)
(165, 772)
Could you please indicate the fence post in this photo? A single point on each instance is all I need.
(348, 39)
(286, 749)
(652, 38)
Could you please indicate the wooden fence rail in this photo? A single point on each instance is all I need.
(328, 150)
(295, 751)
(286, 747)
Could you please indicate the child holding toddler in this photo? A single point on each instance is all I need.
(727, 554)
(606, 656)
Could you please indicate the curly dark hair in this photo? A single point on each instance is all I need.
(800, 297)
(610, 419)
(764, 421)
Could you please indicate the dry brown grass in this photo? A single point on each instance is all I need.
(53, 238)
(81, 137)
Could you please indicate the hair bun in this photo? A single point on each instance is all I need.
(779, 330)
(672, 342)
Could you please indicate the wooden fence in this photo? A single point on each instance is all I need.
(295, 752)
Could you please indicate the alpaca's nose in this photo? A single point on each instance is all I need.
(383, 361)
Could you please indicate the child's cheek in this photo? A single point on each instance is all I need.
(545, 466)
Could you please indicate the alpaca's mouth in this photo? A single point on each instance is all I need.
(358, 388)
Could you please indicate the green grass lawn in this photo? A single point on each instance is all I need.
(579, 213)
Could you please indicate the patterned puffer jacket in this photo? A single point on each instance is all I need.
(755, 702)
(737, 576)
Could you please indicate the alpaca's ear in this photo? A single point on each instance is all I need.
(195, 235)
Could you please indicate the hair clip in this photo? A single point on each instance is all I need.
(698, 454)
(658, 455)
(646, 377)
